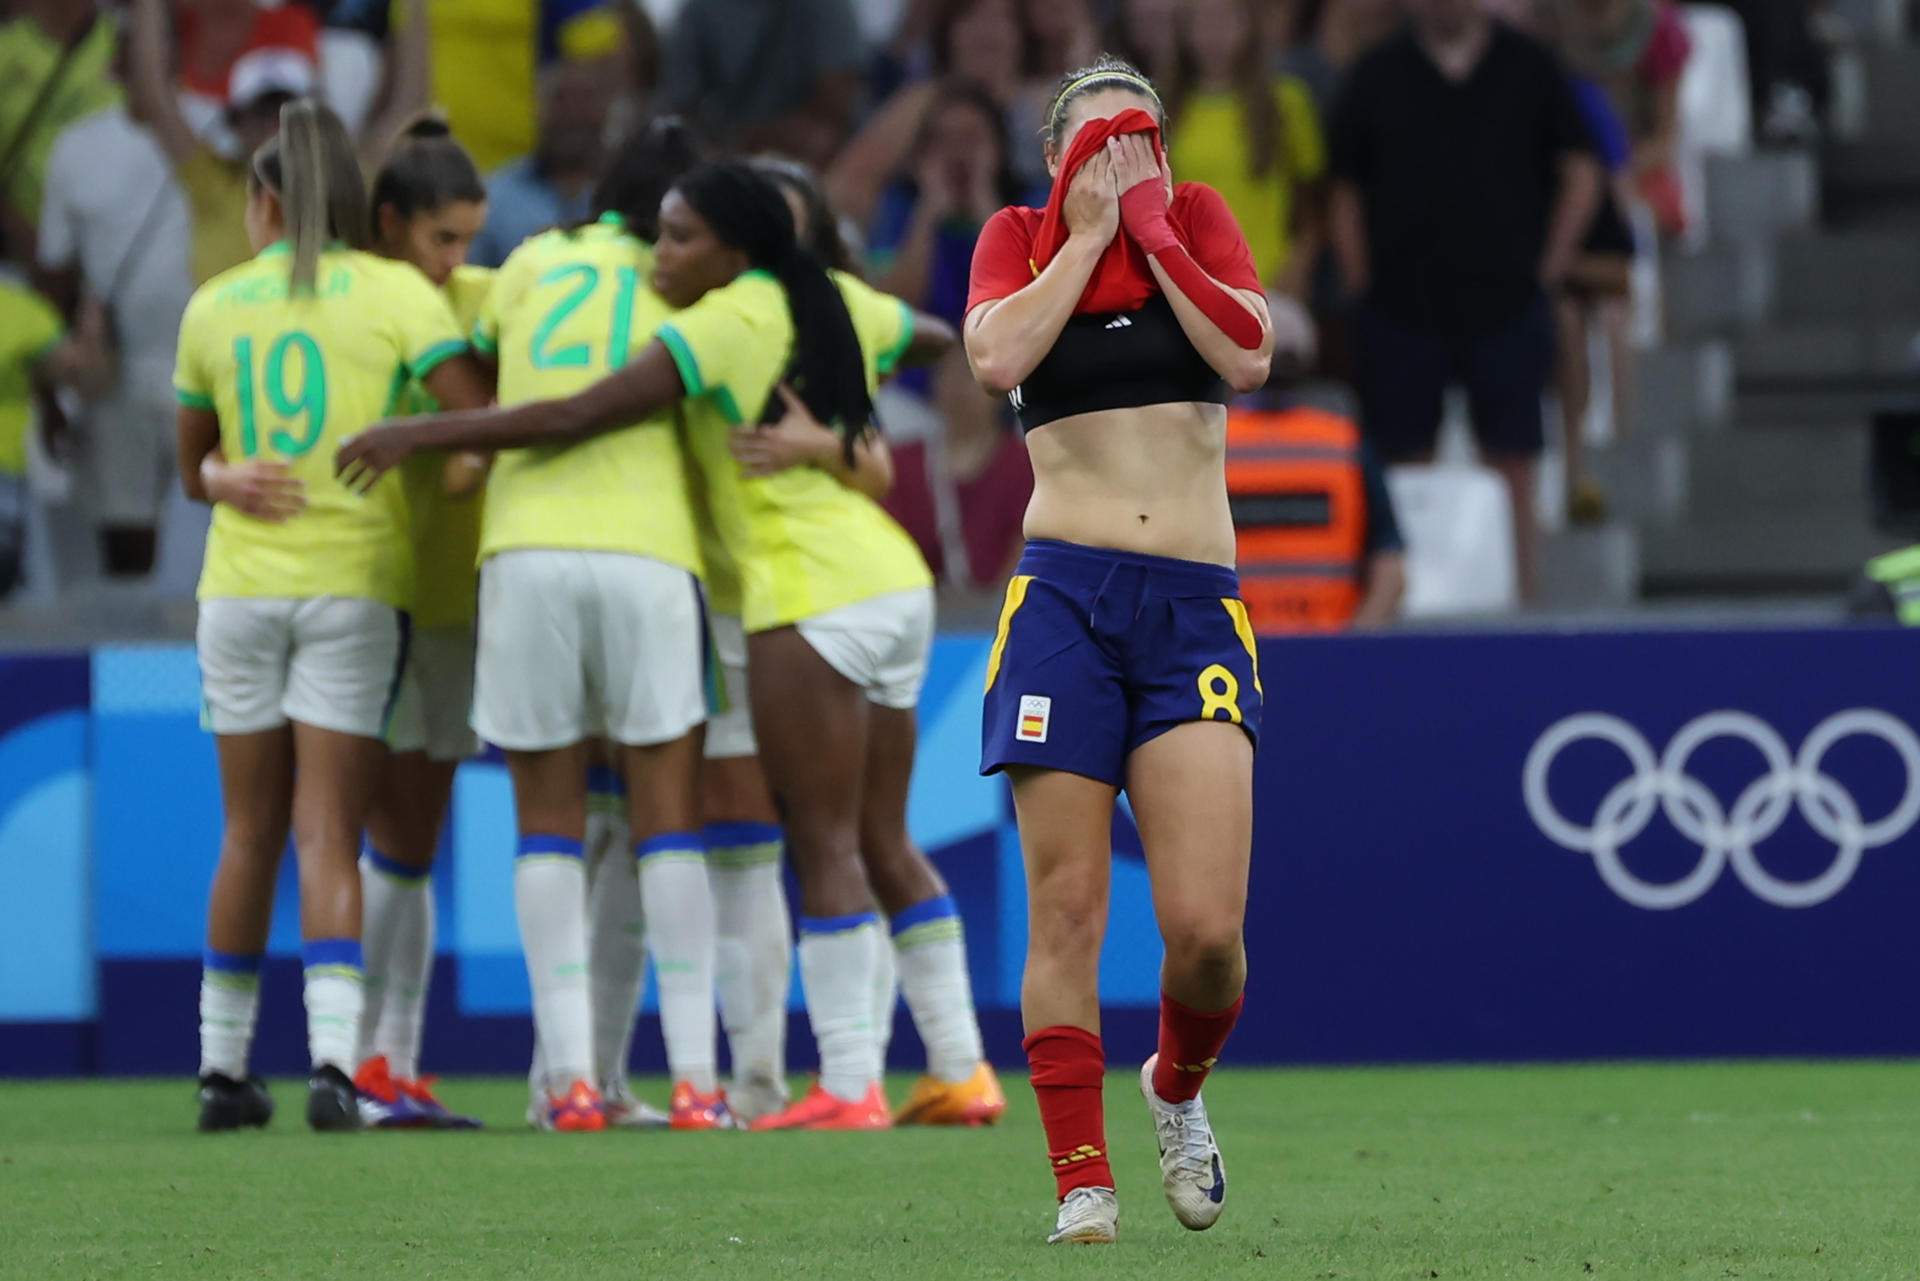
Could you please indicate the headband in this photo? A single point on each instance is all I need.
(1115, 76)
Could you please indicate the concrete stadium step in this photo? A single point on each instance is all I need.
(1683, 388)
(1853, 274)
(1716, 292)
(1806, 404)
(1779, 551)
(1594, 568)
(1760, 196)
(1893, 87)
(1873, 183)
(1647, 478)
(1840, 354)
(1774, 469)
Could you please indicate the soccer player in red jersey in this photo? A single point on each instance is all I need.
(1116, 320)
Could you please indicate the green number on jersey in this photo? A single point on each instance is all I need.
(308, 403)
(620, 332)
(579, 354)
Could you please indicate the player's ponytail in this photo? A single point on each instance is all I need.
(747, 212)
(312, 170)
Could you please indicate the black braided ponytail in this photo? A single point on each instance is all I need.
(748, 213)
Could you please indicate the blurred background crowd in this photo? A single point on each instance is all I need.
(1530, 259)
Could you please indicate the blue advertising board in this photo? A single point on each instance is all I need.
(1466, 847)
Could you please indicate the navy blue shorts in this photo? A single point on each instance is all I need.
(1100, 651)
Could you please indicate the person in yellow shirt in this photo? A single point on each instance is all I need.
(428, 203)
(30, 331)
(591, 627)
(835, 599)
(744, 836)
(300, 632)
(1253, 137)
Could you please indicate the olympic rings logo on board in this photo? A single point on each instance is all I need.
(1725, 836)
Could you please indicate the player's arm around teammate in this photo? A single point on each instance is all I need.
(300, 632)
(1123, 657)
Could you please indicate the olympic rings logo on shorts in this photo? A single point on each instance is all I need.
(1696, 813)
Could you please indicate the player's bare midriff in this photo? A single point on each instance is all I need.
(1150, 479)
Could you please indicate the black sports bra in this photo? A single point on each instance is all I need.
(1117, 361)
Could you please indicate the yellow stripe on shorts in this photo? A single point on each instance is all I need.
(1243, 628)
(1016, 597)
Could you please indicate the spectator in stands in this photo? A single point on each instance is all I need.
(1252, 136)
(1316, 540)
(215, 39)
(983, 42)
(1626, 57)
(113, 258)
(1320, 40)
(763, 76)
(212, 168)
(54, 56)
(1464, 182)
(554, 185)
(29, 334)
(920, 241)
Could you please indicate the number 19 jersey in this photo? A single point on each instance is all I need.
(567, 309)
(290, 376)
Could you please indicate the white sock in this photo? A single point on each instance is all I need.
(550, 899)
(932, 952)
(616, 945)
(229, 1003)
(335, 997)
(678, 904)
(753, 948)
(396, 930)
(836, 969)
(886, 998)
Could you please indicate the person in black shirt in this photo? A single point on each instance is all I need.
(1464, 181)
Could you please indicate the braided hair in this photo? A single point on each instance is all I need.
(747, 212)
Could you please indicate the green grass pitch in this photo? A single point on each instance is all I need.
(1777, 1170)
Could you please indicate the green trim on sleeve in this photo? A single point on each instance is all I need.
(483, 342)
(729, 408)
(891, 358)
(437, 355)
(193, 399)
(683, 359)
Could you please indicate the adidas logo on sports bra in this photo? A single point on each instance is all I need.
(1118, 322)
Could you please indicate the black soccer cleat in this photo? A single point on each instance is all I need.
(227, 1104)
(332, 1102)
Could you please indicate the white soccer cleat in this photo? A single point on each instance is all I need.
(625, 1112)
(1190, 1170)
(1089, 1216)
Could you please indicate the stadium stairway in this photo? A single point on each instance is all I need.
(1746, 473)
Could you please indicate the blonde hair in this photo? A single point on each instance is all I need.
(313, 171)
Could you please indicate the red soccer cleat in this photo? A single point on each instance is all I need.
(692, 1110)
(579, 1111)
(822, 1111)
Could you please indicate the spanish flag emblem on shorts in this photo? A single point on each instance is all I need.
(1036, 711)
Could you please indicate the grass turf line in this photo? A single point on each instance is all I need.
(1776, 1170)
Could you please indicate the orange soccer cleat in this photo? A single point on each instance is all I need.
(822, 1111)
(692, 1110)
(977, 1100)
(578, 1111)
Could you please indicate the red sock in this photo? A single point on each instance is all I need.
(1189, 1043)
(1068, 1068)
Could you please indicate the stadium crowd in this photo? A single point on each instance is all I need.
(122, 127)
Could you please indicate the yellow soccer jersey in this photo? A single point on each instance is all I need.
(446, 530)
(29, 329)
(290, 377)
(566, 309)
(800, 541)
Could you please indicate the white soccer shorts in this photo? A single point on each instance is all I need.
(881, 644)
(584, 644)
(326, 661)
(435, 701)
(730, 732)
